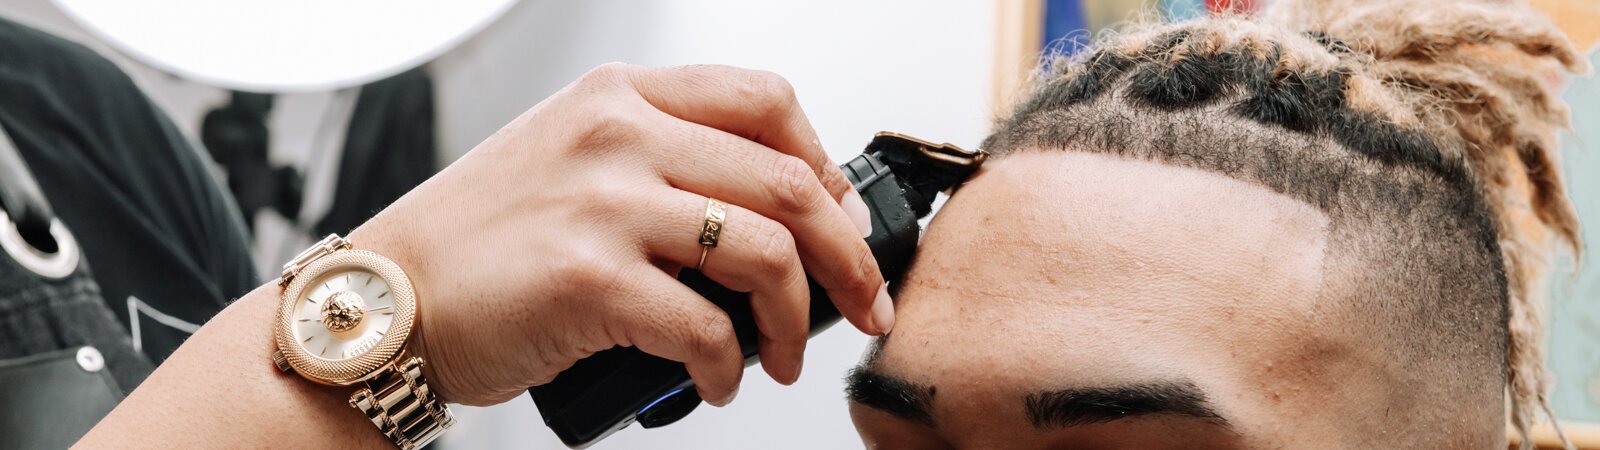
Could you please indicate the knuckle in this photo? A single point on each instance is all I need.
(833, 180)
(774, 249)
(609, 128)
(606, 74)
(771, 86)
(713, 337)
(543, 377)
(795, 189)
(863, 278)
(599, 81)
(776, 96)
(587, 268)
(607, 200)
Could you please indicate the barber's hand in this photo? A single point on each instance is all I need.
(562, 234)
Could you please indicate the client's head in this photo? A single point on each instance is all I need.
(1285, 231)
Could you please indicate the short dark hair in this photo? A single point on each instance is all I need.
(1402, 122)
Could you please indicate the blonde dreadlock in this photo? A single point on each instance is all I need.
(1471, 71)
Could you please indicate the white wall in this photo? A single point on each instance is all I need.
(919, 67)
(859, 66)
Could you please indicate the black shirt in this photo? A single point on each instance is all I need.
(167, 247)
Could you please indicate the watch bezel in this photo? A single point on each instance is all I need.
(368, 365)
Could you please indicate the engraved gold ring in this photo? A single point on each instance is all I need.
(711, 230)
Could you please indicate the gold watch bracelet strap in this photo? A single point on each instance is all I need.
(400, 404)
(327, 245)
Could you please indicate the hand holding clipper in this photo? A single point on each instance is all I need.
(897, 176)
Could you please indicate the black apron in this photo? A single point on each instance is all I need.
(65, 360)
(167, 246)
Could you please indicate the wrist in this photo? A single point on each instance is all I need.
(376, 236)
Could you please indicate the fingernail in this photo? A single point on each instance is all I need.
(883, 311)
(796, 376)
(731, 396)
(857, 210)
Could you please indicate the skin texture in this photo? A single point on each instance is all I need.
(1130, 272)
(555, 238)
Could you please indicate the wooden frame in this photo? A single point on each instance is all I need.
(1019, 30)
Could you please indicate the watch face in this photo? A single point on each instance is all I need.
(345, 317)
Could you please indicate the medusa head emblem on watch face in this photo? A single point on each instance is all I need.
(344, 314)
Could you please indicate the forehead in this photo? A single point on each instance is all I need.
(1052, 227)
(1086, 269)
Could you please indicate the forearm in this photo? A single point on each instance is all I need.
(220, 389)
(622, 165)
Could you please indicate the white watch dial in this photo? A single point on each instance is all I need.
(343, 314)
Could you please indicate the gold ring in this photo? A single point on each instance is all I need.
(711, 230)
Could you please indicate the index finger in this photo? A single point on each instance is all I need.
(756, 105)
(761, 107)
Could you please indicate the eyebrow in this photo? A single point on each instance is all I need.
(1050, 409)
(904, 399)
(1084, 406)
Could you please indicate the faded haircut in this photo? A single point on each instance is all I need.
(1422, 129)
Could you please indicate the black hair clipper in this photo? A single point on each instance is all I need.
(898, 177)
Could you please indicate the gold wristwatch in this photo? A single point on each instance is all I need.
(345, 320)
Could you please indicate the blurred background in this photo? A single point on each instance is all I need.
(306, 161)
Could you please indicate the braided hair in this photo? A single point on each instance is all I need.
(1426, 131)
